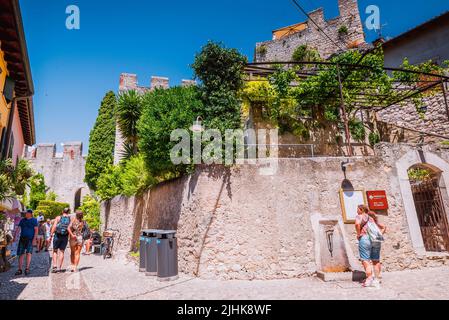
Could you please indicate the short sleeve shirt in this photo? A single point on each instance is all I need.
(27, 227)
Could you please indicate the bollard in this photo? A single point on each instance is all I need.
(167, 256)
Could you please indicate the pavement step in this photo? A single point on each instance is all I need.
(355, 275)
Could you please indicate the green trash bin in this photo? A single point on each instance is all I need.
(167, 255)
(151, 252)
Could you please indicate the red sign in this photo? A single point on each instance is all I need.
(377, 200)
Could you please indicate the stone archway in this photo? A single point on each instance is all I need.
(426, 186)
(77, 199)
(409, 160)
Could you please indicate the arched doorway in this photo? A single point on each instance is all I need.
(77, 202)
(425, 181)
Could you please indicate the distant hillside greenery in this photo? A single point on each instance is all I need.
(101, 141)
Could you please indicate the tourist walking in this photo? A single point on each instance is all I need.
(40, 237)
(28, 227)
(370, 236)
(60, 234)
(78, 234)
(40, 218)
(47, 234)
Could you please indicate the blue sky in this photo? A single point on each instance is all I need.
(73, 69)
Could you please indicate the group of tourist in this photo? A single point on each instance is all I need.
(63, 231)
(370, 236)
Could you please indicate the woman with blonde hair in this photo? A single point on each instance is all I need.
(76, 230)
(369, 250)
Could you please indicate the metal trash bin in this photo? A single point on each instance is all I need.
(142, 251)
(167, 255)
(151, 252)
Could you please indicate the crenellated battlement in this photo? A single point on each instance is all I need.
(128, 81)
(342, 32)
(46, 151)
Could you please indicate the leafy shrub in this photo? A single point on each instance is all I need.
(51, 196)
(261, 50)
(135, 177)
(343, 30)
(37, 190)
(163, 112)
(220, 70)
(374, 138)
(357, 130)
(101, 141)
(91, 210)
(304, 53)
(419, 174)
(109, 184)
(51, 209)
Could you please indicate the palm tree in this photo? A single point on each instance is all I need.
(128, 111)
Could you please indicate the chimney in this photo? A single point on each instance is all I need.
(159, 83)
(128, 81)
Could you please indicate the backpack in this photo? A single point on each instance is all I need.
(63, 226)
(373, 231)
(86, 231)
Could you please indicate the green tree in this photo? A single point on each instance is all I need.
(37, 190)
(220, 70)
(91, 210)
(135, 177)
(101, 141)
(163, 112)
(109, 184)
(129, 109)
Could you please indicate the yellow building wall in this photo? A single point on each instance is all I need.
(4, 108)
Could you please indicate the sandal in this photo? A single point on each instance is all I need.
(54, 270)
(27, 272)
(18, 273)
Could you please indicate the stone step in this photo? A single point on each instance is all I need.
(355, 275)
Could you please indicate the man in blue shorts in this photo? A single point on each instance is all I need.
(28, 234)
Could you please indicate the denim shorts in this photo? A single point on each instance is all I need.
(369, 250)
(25, 246)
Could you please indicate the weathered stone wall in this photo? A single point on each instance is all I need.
(64, 173)
(435, 120)
(236, 223)
(282, 49)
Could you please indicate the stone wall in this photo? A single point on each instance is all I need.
(282, 49)
(435, 120)
(64, 173)
(238, 223)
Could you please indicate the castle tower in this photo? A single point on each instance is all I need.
(327, 38)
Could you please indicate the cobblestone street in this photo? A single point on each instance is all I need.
(119, 279)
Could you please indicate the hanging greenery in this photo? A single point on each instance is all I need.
(311, 102)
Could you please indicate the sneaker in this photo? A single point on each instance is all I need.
(368, 283)
(376, 284)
